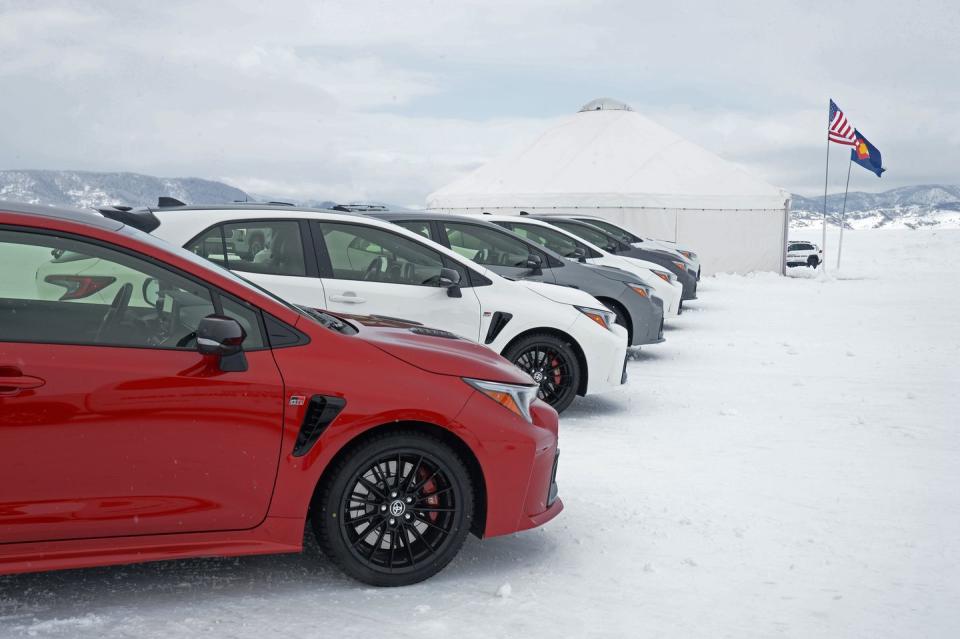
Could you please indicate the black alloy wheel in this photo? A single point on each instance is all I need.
(397, 509)
(552, 364)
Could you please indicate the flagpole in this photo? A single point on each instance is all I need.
(826, 177)
(843, 211)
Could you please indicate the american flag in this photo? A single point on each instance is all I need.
(840, 130)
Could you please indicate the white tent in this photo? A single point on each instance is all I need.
(610, 161)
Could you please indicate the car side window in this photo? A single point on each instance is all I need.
(60, 290)
(271, 247)
(368, 253)
(249, 319)
(210, 245)
(486, 246)
(417, 226)
(553, 240)
(594, 236)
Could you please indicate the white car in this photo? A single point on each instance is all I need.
(641, 242)
(800, 253)
(663, 282)
(353, 264)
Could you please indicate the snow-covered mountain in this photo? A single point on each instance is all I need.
(88, 189)
(921, 206)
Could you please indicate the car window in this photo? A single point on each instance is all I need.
(368, 253)
(554, 240)
(614, 230)
(210, 245)
(417, 226)
(271, 247)
(99, 296)
(486, 246)
(249, 319)
(594, 236)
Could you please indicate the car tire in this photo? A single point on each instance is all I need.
(813, 261)
(553, 364)
(386, 528)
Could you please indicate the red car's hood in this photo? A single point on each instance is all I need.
(435, 350)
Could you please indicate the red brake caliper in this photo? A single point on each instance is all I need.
(429, 487)
(556, 370)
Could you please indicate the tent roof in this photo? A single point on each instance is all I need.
(608, 155)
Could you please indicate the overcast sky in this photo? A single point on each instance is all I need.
(391, 100)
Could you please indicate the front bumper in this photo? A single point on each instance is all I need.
(604, 351)
(689, 282)
(518, 461)
(646, 317)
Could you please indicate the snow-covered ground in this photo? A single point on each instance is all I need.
(790, 469)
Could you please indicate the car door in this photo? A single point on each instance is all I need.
(111, 423)
(498, 250)
(275, 254)
(370, 270)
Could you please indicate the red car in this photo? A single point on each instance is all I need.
(155, 406)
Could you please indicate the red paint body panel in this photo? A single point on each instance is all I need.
(134, 454)
(135, 441)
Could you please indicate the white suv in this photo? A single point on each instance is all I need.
(349, 264)
(800, 253)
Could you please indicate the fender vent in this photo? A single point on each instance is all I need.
(321, 412)
(497, 323)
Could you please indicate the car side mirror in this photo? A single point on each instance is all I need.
(223, 337)
(450, 280)
(580, 254)
(535, 264)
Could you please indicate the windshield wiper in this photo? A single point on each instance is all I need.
(326, 319)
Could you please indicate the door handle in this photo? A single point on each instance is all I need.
(13, 384)
(348, 299)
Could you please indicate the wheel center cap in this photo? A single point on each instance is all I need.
(397, 508)
(538, 376)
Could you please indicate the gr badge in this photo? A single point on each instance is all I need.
(297, 400)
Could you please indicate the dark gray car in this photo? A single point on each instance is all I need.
(515, 257)
(597, 236)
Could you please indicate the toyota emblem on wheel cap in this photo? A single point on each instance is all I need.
(397, 508)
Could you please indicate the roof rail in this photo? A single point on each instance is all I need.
(360, 208)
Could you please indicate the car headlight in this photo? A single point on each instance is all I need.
(681, 266)
(666, 276)
(514, 397)
(603, 317)
(640, 289)
(690, 255)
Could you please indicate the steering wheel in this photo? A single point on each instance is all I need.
(482, 256)
(118, 308)
(374, 268)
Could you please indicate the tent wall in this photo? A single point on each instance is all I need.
(726, 240)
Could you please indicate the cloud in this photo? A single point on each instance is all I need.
(389, 101)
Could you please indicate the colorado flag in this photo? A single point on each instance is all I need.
(865, 154)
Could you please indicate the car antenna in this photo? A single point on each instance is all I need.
(164, 202)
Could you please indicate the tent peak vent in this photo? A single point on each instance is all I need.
(605, 104)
